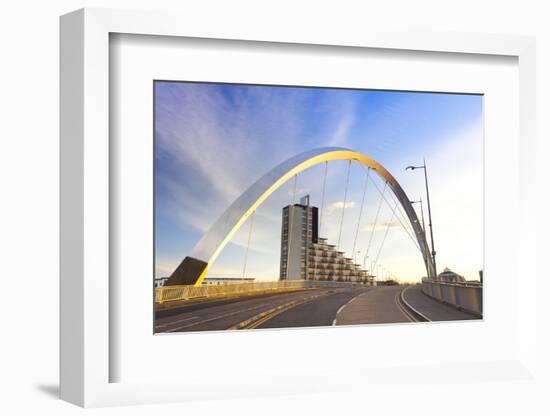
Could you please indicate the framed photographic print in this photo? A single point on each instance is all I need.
(299, 247)
(288, 207)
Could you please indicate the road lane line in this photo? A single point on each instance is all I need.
(344, 305)
(248, 322)
(176, 322)
(214, 318)
(403, 311)
(265, 316)
(218, 317)
(274, 314)
(409, 305)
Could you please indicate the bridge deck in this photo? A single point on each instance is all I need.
(226, 314)
(306, 308)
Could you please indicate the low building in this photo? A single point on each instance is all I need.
(448, 276)
(160, 281)
(226, 280)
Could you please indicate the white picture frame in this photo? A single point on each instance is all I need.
(85, 220)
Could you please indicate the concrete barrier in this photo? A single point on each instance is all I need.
(464, 296)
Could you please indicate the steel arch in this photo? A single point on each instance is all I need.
(193, 268)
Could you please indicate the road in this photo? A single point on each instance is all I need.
(306, 308)
(219, 315)
(374, 307)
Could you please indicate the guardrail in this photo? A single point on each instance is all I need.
(464, 296)
(185, 292)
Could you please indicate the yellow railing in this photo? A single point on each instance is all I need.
(185, 292)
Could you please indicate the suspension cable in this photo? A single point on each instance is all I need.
(248, 243)
(360, 213)
(386, 233)
(402, 225)
(320, 219)
(290, 221)
(400, 214)
(390, 206)
(344, 207)
(323, 199)
(375, 221)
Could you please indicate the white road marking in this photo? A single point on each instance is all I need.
(409, 305)
(179, 328)
(176, 322)
(343, 306)
(401, 309)
(225, 315)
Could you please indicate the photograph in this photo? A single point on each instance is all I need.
(279, 206)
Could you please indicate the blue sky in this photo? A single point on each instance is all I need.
(212, 141)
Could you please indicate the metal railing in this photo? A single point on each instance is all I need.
(186, 292)
(466, 296)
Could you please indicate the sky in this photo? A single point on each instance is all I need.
(212, 141)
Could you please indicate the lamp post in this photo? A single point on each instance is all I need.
(355, 260)
(421, 213)
(429, 210)
(372, 268)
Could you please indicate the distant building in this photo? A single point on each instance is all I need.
(450, 277)
(160, 281)
(306, 256)
(226, 280)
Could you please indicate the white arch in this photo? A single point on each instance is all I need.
(193, 268)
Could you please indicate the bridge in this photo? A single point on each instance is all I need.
(319, 284)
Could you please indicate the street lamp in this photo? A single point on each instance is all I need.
(421, 213)
(371, 269)
(429, 210)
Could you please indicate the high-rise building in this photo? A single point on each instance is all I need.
(299, 231)
(304, 255)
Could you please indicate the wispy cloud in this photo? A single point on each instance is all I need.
(341, 131)
(213, 142)
(338, 205)
(381, 226)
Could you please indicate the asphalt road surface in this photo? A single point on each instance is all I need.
(319, 312)
(219, 315)
(377, 306)
(305, 308)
